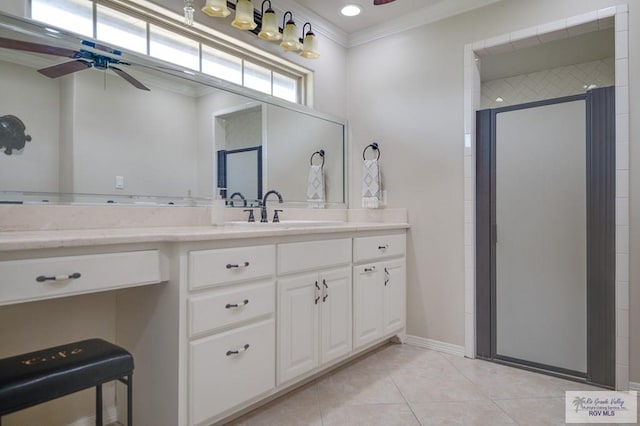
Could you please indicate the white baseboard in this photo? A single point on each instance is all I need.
(634, 386)
(435, 345)
(109, 415)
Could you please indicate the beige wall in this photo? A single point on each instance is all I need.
(406, 92)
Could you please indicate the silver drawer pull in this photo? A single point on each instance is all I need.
(238, 351)
(237, 266)
(43, 278)
(237, 305)
(384, 247)
(373, 268)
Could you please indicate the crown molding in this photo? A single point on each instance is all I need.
(432, 13)
(320, 25)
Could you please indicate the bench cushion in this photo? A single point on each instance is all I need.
(35, 377)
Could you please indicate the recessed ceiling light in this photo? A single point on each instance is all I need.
(351, 10)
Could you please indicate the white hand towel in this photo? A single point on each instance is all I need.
(315, 187)
(371, 184)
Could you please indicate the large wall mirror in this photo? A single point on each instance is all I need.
(96, 136)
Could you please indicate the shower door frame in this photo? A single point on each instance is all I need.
(600, 207)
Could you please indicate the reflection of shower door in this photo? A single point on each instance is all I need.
(540, 178)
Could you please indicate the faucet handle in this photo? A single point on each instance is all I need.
(276, 219)
(251, 217)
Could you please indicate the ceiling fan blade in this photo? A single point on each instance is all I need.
(59, 70)
(129, 78)
(379, 2)
(36, 48)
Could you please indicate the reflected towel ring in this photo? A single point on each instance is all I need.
(321, 154)
(373, 146)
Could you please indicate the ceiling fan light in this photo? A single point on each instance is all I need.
(216, 8)
(310, 47)
(269, 30)
(290, 37)
(244, 16)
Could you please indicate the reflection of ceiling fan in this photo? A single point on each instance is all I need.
(83, 59)
(379, 2)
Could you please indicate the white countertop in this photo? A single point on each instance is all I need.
(29, 240)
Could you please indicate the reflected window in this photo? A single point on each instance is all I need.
(285, 87)
(174, 48)
(121, 29)
(130, 27)
(72, 15)
(257, 77)
(221, 64)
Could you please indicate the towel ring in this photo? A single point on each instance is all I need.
(321, 154)
(373, 146)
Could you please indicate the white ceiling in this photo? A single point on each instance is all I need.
(371, 15)
(375, 21)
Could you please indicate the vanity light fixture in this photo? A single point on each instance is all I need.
(244, 16)
(290, 34)
(216, 8)
(309, 43)
(269, 29)
(351, 10)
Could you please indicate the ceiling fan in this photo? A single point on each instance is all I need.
(379, 2)
(83, 59)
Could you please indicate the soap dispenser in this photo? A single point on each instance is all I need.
(217, 208)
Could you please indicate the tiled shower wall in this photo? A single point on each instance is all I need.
(548, 84)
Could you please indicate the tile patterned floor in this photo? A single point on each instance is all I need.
(406, 385)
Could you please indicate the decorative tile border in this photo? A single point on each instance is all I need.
(617, 16)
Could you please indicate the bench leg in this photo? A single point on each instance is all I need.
(129, 400)
(99, 405)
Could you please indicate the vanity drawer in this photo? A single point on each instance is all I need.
(230, 305)
(378, 247)
(221, 379)
(306, 256)
(208, 268)
(46, 278)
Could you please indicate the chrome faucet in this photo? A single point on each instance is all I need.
(263, 209)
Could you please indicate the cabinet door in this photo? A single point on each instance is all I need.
(230, 368)
(367, 304)
(394, 285)
(299, 299)
(335, 314)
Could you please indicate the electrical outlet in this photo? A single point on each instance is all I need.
(119, 182)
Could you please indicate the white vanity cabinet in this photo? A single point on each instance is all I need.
(314, 308)
(231, 328)
(239, 318)
(379, 288)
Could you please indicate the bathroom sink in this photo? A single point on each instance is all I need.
(285, 224)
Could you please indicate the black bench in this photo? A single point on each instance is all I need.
(36, 377)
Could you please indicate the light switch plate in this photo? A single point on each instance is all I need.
(119, 182)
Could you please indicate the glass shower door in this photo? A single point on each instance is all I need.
(541, 271)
